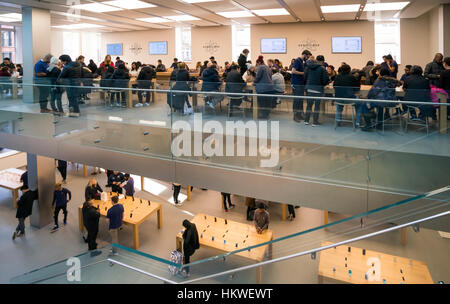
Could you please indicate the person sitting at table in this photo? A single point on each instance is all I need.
(106, 81)
(279, 85)
(160, 67)
(211, 83)
(190, 243)
(234, 84)
(105, 64)
(383, 89)
(331, 73)
(174, 63)
(120, 79)
(144, 80)
(417, 88)
(5, 77)
(177, 101)
(250, 74)
(374, 73)
(93, 67)
(261, 218)
(115, 180)
(345, 86)
(92, 190)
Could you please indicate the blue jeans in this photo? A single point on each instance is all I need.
(298, 90)
(358, 109)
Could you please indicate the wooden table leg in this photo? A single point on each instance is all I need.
(255, 107)
(135, 236)
(403, 232)
(325, 217)
(80, 219)
(259, 275)
(283, 212)
(159, 215)
(188, 193)
(142, 183)
(129, 96)
(442, 114)
(15, 194)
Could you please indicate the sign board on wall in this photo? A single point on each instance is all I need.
(114, 49)
(273, 46)
(157, 48)
(348, 45)
(211, 47)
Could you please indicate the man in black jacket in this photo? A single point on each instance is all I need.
(91, 217)
(190, 242)
(234, 84)
(211, 83)
(345, 86)
(417, 88)
(434, 69)
(24, 209)
(71, 76)
(316, 79)
(144, 78)
(242, 61)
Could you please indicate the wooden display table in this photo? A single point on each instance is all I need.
(10, 179)
(136, 212)
(226, 236)
(392, 269)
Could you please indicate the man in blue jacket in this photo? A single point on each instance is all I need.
(316, 80)
(60, 201)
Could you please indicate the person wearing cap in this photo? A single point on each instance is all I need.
(261, 218)
(40, 78)
(60, 201)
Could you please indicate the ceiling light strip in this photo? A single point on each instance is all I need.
(361, 9)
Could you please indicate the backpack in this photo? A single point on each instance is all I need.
(175, 257)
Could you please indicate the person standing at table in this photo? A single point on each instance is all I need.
(115, 217)
(261, 218)
(62, 168)
(190, 243)
(174, 63)
(176, 191)
(264, 86)
(225, 197)
(434, 69)
(316, 80)
(60, 201)
(92, 190)
(115, 180)
(251, 207)
(128, 185)
(24, 209)
(40, 76)
(242, 61)
(91, 217)
(298, 84)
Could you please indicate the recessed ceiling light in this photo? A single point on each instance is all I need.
(78, 26)
(235, 14)
(347, 8)
(387, 6)
(129, 4)
(182, 18)
(271, 12)
(96, 7)
(154, 20)
(11, 17)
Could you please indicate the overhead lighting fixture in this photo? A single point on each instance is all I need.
(386, 6)
(96, 7)
(11, 17)
(346, 8)
(199, 1)
(235, 14)
(78, 26)
(154, 20)
(129, 4)
(271, 12)
(182, 18)
(153, 123)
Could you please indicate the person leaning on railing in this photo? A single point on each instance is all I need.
(144, 79)
(211, 83)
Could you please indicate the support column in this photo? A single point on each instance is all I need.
(41, 176)
(35, 45)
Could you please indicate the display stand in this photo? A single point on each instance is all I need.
(10, 179)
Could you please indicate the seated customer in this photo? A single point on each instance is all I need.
(417, 88)
(211, 83)
(160, 67)
(234, 84)
(144, 79)
(279, 85)
(261, 218)
(92, 190)
(120, 79)
(345, 86)
(115, 180)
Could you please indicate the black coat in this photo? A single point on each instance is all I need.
(242, 62)
(345, 86)
(211, 80)
(91, 217)
(25, 204)
(181, 84)
(71, 76)
(53, 75)
(316, 77)
(145, 77)
(120, 78)
(234, 82)
(190, 238)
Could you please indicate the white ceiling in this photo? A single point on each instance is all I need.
(125, 20)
